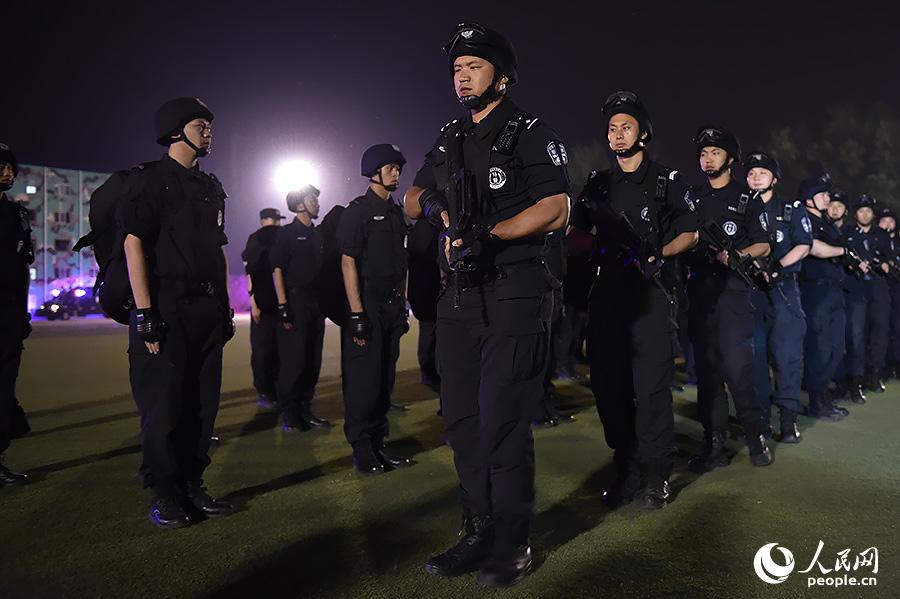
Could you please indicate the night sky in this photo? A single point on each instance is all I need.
(324, 80)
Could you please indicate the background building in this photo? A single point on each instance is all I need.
(57, 200)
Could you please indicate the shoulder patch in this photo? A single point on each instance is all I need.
(807, 226)
(557, 152)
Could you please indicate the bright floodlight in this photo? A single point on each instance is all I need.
(294, 174)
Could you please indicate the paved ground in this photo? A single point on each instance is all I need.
(307, 526)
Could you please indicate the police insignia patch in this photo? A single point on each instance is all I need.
(496, 177)
(645, 214)
(807, 226)
(764, 221)
(378, 217)
(730, 228)
(557, 153)
(779, 236)
(689, 201)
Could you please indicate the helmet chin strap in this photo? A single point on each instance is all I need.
(380, 181)
(491, 93)
(200, 152)
(719, 171)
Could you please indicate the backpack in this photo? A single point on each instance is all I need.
(107, 237)
(330, 284)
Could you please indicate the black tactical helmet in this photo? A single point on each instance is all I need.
(865, 201)
(888, 213)
(758, 159)
(7, 157)
(838, 195)
(175, 114)
(295, 198)
(626, 102)
(377, 156)
(474, 39)
(810, 186)
(711, 135)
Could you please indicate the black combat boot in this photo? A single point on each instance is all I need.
(198, 497)
(469, 553)
(387, 458)
(627, 483)
(310, 419)
(713, 456)
(875, 382)
(654, 493)
(8, 478)
(759, 452)
(364, 459)
(857, 395)
(166, 512)
(821, 408)
(510, 560)
(790, 432)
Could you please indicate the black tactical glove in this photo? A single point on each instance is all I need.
(150, 326)
(284, 314)
(228, 327)
(478, 235)
(360, 327)
(775, 269)
(433, 203)
(649, 250)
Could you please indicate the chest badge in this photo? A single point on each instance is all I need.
(301, 239)
(496, 177)
(764, 221)
(645, 214)
(866, 244)
(689, 201)
(378, 217)
(220, 218)
(779, 236)
(730, 228)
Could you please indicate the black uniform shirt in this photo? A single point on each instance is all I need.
(179, 213)
(814, 268)
(871, 246)
(506, 183)
(372, 231)
(609, 194)
(16, 253)
(298, 253)
(258, 265)
(741, 214)
(790, 227)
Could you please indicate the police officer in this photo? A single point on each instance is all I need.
(372, 240)
(263, 306)
(296, 262)
(721, 313)
(837, 207)
(868, 301)
(424, 289)
(887, 220)
(821, 283)
(642, 215)
(497, 177)
(174, 225)
(16, 254)
(777, 302)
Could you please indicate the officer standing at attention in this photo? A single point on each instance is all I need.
(372, 240)
(822, 297)
(296, 262)
(497, 178)
(868, 302)
(887, 220)
(721, 314)
(263, 306)
(643, 216)
(16, 254)
(778, 303)
(174, 224)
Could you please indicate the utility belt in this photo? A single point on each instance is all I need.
(181, 289)
(466, 276)
(383, 289)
